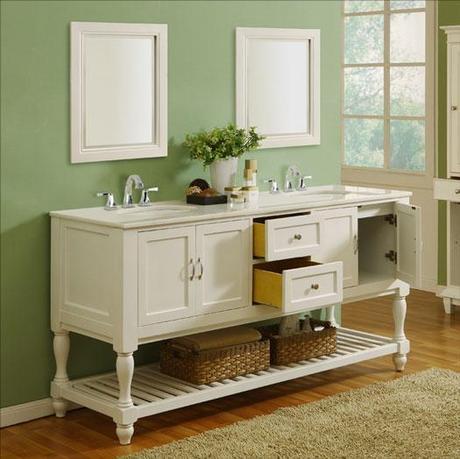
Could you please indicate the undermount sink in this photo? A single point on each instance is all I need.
(152, 212)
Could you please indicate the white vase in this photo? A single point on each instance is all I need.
(223, 173)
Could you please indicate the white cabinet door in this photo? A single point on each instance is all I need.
(223, 266)
(166, 288)
(454, 109)
(340, 242)
(409, 243)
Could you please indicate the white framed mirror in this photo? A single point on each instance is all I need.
(278, 84)
(118, 91)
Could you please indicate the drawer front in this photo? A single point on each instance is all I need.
(298, 284)
(446, 189)
(311, 287)
(292, 237)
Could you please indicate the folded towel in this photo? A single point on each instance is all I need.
(218, 338)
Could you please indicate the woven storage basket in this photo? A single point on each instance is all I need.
(212, 365)
(301, 345)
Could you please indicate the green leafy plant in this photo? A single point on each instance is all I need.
(221, 143)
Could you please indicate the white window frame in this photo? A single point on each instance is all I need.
(386, 176)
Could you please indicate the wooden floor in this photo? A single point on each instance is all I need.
(435, 342)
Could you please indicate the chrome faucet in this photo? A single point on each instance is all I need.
(274, 189)
(128, 195)
(293, 172)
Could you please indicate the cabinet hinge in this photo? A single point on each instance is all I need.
(392, 219)
(392, 256)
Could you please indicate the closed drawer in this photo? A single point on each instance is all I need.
(446, 189)
(298, 284)
(288, 237)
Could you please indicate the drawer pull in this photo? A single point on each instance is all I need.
(315, 286)
(298, 237)
(200, 276)
(457, 191)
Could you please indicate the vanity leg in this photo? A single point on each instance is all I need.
(125, 371)
(447, 305)
(399, 316)
(330, 316)
(61, 347)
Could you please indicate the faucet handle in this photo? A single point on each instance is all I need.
(274, 188)
(302, 185)
(110, 203)
(145, 200)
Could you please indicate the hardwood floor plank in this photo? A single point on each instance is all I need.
(435, 342)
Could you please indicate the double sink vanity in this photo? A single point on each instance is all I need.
(146, 274)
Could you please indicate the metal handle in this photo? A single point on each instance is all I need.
(201, 269)
(453, 108)
(355, 244)
(145, 200)
(193, 269)
(298, 236)
(274, 188)
(457, 191)
(315, 286)
(110, 203)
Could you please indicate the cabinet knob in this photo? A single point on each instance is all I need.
(298, 237)
(457, 191)
(453, 108)
(315, 286)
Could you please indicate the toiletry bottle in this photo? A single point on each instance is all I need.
(252, 164)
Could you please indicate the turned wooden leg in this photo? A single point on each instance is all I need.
(399, 316)
(330, 316)
(61, 347)
(447, 305)
(125, 371)
(125, 433)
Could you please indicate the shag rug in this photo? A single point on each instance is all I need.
(417, 416)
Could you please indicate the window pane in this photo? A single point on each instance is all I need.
(407, 89)
(363, 142)
(358, 6)
(407, 145)
(363, 91)
(364, 39)
(407, 37)
(406, 4)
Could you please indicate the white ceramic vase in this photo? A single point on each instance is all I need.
(223, 173)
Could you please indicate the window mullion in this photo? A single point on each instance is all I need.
(386, 84)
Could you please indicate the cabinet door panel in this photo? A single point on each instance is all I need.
(223, 251)
(340, 242)
(409, 243)
(454, 108)
(166, 291)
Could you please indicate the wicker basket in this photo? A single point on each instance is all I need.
(301, 345)
(215, 364)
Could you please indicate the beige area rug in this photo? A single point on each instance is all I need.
(417, 416)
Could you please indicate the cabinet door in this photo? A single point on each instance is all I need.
(223, 266)
(166, 288)
(409, 243)
(454, 109)
(340, 242)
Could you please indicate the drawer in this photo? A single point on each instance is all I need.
(287, 237)
(446, 189)
(298, 284)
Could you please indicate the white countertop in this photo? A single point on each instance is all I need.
(175, 212)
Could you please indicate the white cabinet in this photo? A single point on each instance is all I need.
(166, 284)
(449, 189)
(340, 241)
(223, 266)
(193, 270)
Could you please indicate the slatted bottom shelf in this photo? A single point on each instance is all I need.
(153, 392)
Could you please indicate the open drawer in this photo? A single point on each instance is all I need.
(288, 237)
(298, 284)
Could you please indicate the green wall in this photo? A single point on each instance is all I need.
(448, 14)
(36, 173)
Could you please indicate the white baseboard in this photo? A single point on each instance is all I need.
(439, 290)
(24, 412)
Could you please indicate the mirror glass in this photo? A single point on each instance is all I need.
(278, 86)
(119, 90)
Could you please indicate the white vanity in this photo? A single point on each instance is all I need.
(449, 189)
(140, 275)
